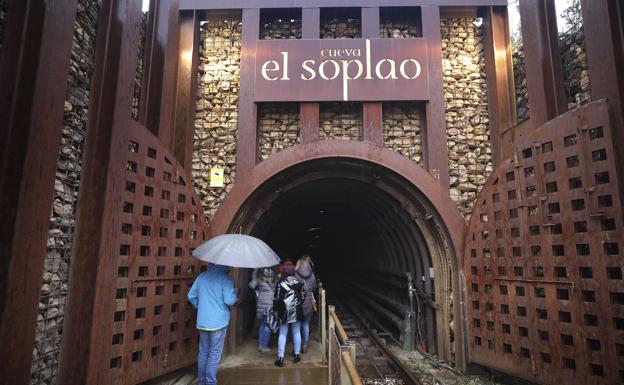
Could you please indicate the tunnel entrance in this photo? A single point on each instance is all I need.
(358, 220)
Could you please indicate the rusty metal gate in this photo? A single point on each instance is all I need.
(543, 257)
(153, 324)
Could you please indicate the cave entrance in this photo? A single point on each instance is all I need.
(356, 219)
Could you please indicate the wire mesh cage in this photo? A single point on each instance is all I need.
(400, 22)
(402, 123)
(214, 140)
(341, 23)
(138, 74)
(281, 23)
(341, 120)
(278, 127)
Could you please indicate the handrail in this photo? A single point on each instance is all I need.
(342, 335)
(353, 374)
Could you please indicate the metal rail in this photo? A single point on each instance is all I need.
(403, 371)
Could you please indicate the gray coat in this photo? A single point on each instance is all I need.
(307, 276)
(264, 295)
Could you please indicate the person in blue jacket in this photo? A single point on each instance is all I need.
(212, 294)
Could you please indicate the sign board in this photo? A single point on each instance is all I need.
(342, 69)
(216, 177)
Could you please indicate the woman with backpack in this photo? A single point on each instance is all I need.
(263, 283)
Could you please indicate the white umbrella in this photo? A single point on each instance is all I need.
(236, 250)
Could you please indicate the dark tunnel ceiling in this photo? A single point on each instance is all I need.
(343, 222)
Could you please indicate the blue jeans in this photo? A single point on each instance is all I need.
(295, 329)
(264, 333)
(210, 349)
(305, 329)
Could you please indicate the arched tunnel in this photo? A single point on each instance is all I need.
(365, 227)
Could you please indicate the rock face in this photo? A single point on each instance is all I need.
(340, 120)
(62, 219)
(402, 122)
(278, 127)
(465, 93)
(216, 120)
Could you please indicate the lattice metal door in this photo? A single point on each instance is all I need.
(153, 324)
(543, 257)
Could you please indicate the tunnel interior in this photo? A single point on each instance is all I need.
(363, 233)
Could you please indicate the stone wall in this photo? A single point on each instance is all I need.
(281, 29)
(402, 122)
(214, 140)
(62, 220)
(340, 120)
(138, 74)
(341, 28)
(575, 67)
(465, 93)
(520, 83)
(278, 127)
(4, 5)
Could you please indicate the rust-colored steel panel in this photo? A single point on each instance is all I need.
(543, 257)
(160, 223)
(32, 119)
(341, 69)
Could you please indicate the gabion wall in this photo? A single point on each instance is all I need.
(340, 28)
(138, 75)
(281, 29)
(214, 141)
(63, 216)
(575, 71)
(402, 122)
(575, 67)
(278, 127)
(520, 83)
(399, 22)
(340, 120)
(4, 4)
(465, 93)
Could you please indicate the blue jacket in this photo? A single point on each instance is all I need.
(212, 294)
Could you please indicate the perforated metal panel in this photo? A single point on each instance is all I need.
(153, 324)
(543, 257)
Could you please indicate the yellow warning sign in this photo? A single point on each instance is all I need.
(216, 177)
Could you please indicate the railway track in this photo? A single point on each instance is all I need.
(375, 362)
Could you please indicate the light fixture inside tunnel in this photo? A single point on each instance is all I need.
(314, 228)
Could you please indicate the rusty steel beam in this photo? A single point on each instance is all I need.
(309, 112)
(92, 278)
(435, 150)
(186, 90)
(603, 21)
(247, 136)
(161, 59)
(372, 130)
(33, 79)
(499, 77)
(543, 66)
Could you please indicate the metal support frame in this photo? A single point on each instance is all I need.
(33, 77)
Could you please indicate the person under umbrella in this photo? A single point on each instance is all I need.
(212, 294)
(287, 303)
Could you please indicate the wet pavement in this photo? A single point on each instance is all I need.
(274, 376)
